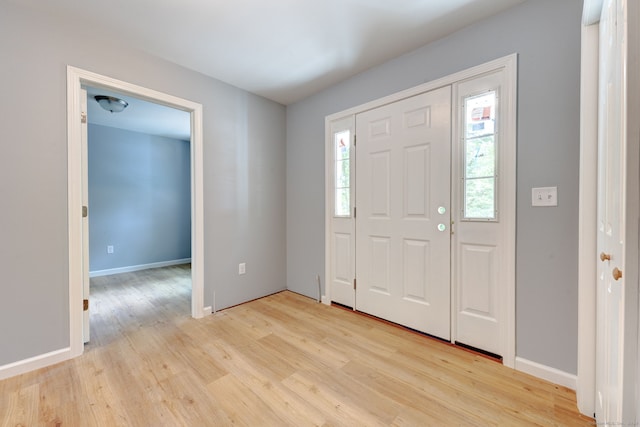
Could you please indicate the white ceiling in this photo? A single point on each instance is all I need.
(284, 50)
(139, 116)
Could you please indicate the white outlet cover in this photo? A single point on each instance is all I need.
(242, 268)
(544, 196)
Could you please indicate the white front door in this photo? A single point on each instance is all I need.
(403, 212)
(610, 216)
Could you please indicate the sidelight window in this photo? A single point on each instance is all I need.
(342, 173)
(480, 160)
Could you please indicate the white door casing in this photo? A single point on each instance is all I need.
(587, 218)
(403, 201)
(86, 330)
(75, 79)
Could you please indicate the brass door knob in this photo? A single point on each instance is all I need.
(617, 274)
(605, 257)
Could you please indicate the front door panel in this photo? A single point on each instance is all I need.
(403, 212)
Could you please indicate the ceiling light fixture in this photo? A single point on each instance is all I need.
(111, 103)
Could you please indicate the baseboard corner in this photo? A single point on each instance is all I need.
(547, 373)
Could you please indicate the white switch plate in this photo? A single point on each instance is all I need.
(109, 249)
(544, 196)
(242, 268)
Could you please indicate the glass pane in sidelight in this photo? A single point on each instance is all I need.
(341, 143)
(342, 173)
(479, 198)
(480, 161)
(480, 157)
(343, 206)
(480, 115)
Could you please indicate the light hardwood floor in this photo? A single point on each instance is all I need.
(283, 360)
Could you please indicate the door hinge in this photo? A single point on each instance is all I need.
(83, 117)
(354, 211)
(85, 212)
(354, 139)
(85, 305)
(354, 284)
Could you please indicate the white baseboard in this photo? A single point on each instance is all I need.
(33, 363)
(553, 375)
(131, 268)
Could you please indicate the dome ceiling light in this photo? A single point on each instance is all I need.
(111, 103)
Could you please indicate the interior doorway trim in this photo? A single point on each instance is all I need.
(75, 79)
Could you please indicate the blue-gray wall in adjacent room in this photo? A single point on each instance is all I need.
(139, 198)
(546, 36)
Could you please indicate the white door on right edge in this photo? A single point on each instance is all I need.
(610, 216)
(403, 193)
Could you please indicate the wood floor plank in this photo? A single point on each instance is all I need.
(188, 399)
(295, 410)
(308, 336)
(283, 360)
(22, 407)
(338, 408)
(241, 405)
(99, 395)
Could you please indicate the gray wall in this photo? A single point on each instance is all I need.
(244, 175)
(139, 198)
(546, 36)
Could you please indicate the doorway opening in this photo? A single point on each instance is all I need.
(76, 79)
(138, 195)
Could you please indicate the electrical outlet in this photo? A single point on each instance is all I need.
(544, 196)
(242, 268)
(110, 249)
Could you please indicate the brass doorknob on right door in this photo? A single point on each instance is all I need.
(617, 274)
(605, 257)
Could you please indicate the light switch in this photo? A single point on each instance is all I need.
(544, 196)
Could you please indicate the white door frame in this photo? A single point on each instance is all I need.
(75, 79)
(509, 63)
(587, 221)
